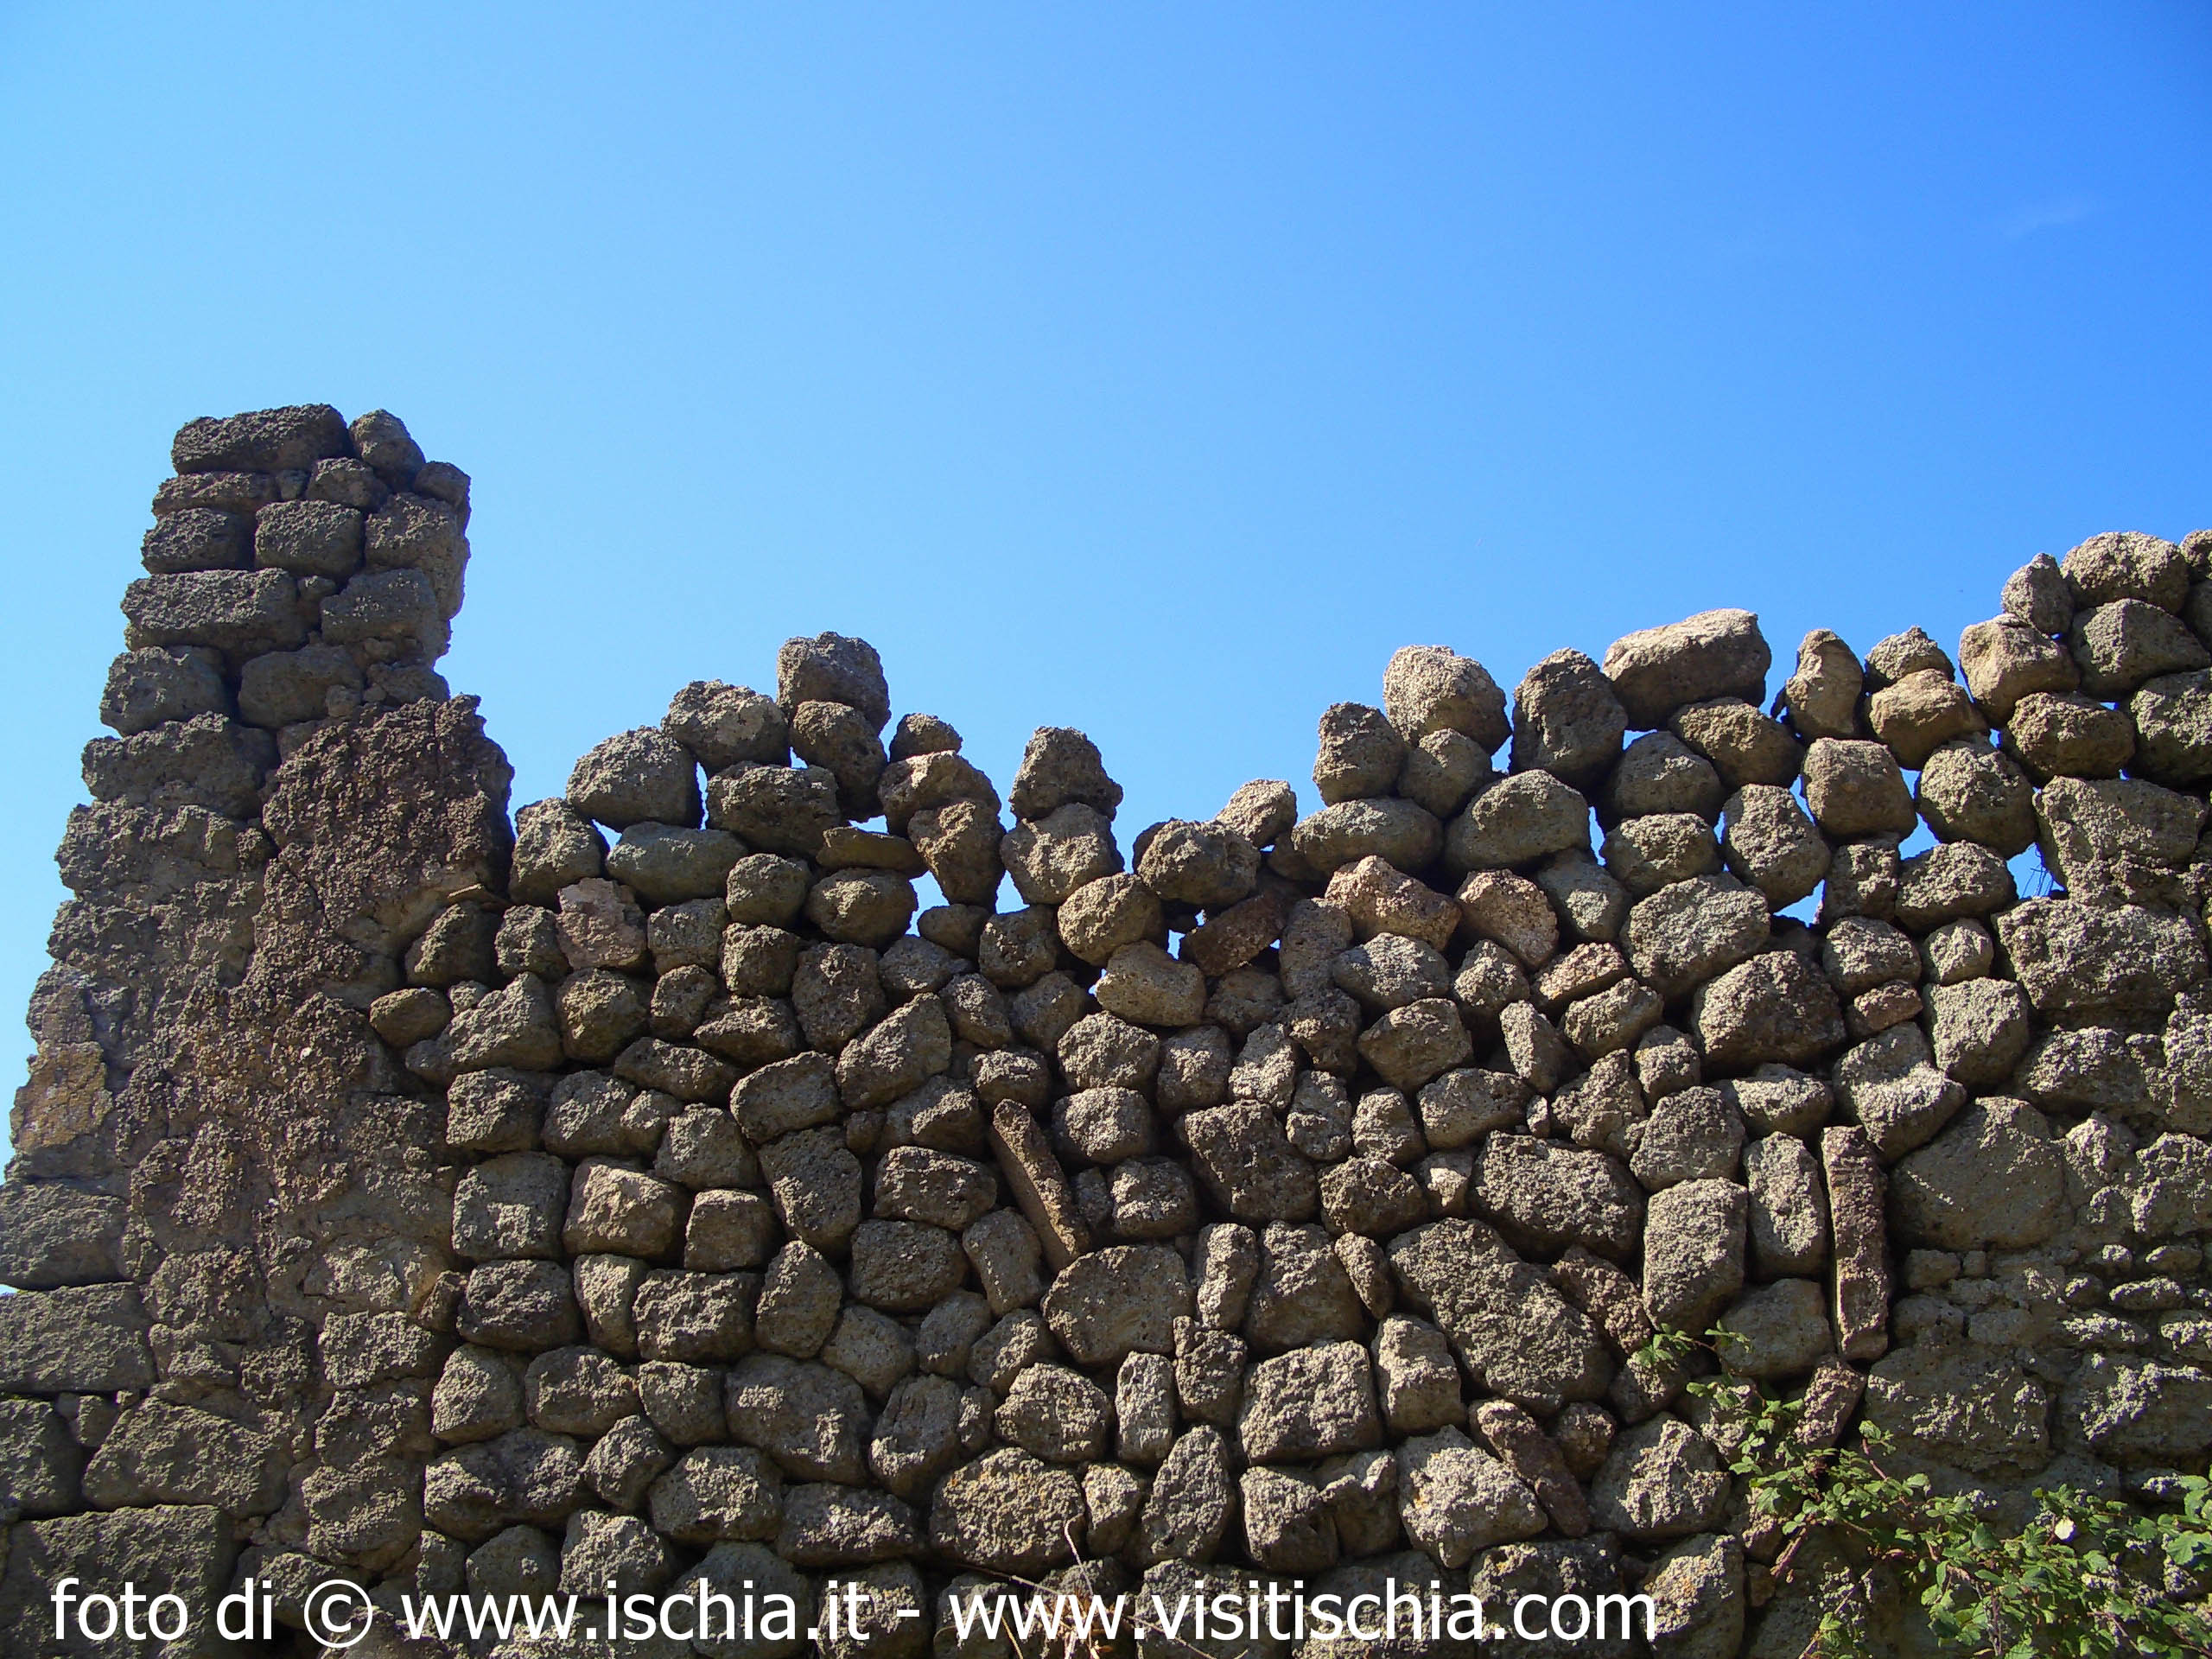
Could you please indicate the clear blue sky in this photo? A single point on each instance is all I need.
(1153, 370)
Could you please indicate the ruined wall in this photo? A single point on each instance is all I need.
(646, 1192)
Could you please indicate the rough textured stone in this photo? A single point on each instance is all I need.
(1777, 1008)
(1822, 695)
(1567, 721)
(2074, 736)
(1455, 1499)
(1543, 1197)
(1969, 791)
(2173, 725)
(1516, 821)
(1713, 654)
(1995, 1177)
(640, 777)
(1856, 1191)
(1683, 934)
(1432, 688)
(1661, 1479)
(2004, 660)
(1694, 1252)
(1659, 773)
(1124, 1298)
(1313, 1403)
(1514, 1334)
(2118, 645)
(2076, 962)
(1789, 1207)
(1853, 788)
(1889, 1084)
(1745, 746)
(1963, 1406)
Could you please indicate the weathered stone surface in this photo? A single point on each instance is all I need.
(1693, 1134)
(1771, 844)
(1516, 821)
(1916, 714)
(1777, 1008)
(1515, 1333)
(2127, 564)
(695, 1317)
(1124, 1298)
(1409, 1047)
(1659, 773)
(2004, 660)
(2074, 736)
(1146, 986)
(1694, 1252)
(1455, 1499)
(1248, 1164)
(1776, 1330)
(1432, 688)
(1661, 1479)
(1978, 1029)
(2076, 961)
(1822, 695)
(816, 1184)
(639, 777)
(1543, 1197)
(54, 1234)
(1192, 1496)
(300, 918)
(2136, 1413)
(87, 1340)
(1361, 753)
(1789, 1215)
(1969, 791)
(1963, 1405)
(1697, 1596)
(1567, 721)
(1993, 1178)
(2118, 645)
(1685, 934)
(1644, 855)
(1853, 788)
(2107, 836)
(1402, 833)
(1857, 1188)
(208, 762)
(1891, 1086)
(1713, 654)
(716, 1493)
(1038, 1184)
(811, 1419)
(2173, 725)
(1313, 1403)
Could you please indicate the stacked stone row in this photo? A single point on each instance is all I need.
(299, 569)
(1652, 1100)
(1282, 1196)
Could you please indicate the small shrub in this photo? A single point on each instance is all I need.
(2086, 1578)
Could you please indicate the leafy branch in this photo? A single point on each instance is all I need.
(2086, 1578)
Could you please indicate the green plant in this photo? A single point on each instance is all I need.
(1666, 1347)
(2086, 1577)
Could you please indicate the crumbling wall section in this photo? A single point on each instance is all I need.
(654, 1192)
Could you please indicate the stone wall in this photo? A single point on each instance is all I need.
(644, 1191)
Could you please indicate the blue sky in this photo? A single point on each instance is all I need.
(1153, 370)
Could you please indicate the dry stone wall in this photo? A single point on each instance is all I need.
(643, 1191)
